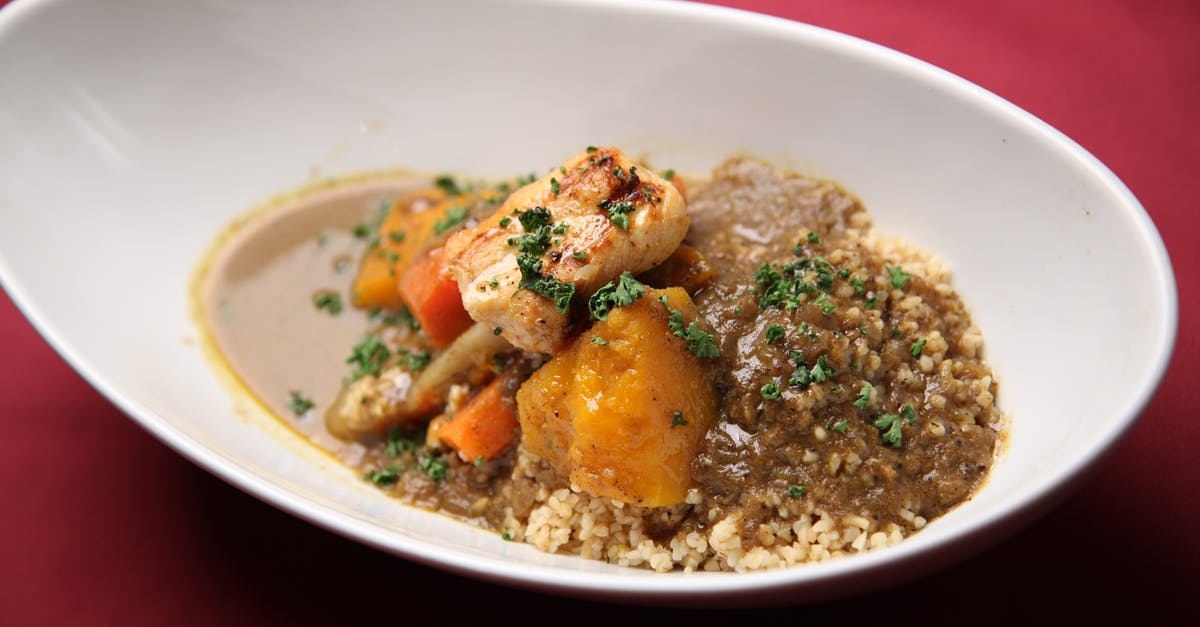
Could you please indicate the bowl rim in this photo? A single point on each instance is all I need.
(707, 588)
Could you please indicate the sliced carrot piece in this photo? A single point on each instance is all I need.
(484, 427)
(433, 298)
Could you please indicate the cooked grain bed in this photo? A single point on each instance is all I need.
(861, 496)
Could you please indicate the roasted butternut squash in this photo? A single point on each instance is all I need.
(623, 409)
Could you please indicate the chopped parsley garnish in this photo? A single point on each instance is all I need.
(828, 309)
(837, 389)
(580, 255)
(898, 276)
(329, 301)
(871, 302)
(698, 341)
(668, 174)
(620, 293)
(298, 403)
(454, 216)
(417, 361)
(505, 221)
(368, 358)
(858, 285)
(591, 149)
(398, 445)
(397, 236)
(554, 185)
(774, 333)
(917, 347)
(889, 428)
(497, 331)
(864, 397)
(618, 212)
(813, 238)
(447, 184)
(560, 292)
(839, 426)
(362, 231)
(506, 536)
(782, 285)
(434, 467)
(534, 218)
(800, 377)
(822, 370)
(599, 340)
(677, 420)
(908, 413)
(796, 491)
(770, 391)
(382, 478)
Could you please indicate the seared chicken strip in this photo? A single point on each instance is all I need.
(560, 239)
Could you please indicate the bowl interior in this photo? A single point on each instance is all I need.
(133, 131)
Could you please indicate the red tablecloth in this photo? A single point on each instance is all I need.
(102, 524)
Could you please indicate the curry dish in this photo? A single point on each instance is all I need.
(736, 373)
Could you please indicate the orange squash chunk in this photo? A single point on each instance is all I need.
(623, 409)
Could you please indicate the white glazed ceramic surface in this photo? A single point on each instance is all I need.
(132, 131)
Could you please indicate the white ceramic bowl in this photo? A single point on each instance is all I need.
(132, 131)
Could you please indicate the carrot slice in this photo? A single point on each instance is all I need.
(484, 427)
(402, 236)
(433, 298)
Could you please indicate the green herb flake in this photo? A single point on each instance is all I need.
(839, 426)
(908, 413)
(770, 391)
(580, 255)
(382, 478)
(796, 491)
(898, 276)
(620, 293)
(591, 149)
(858, 285)
(828, 309)
(600, 341)
(864, 397)
(813, 238)
(774, 333)
(677, 420)
(505, 221)
(329, 301)
(454, 216)
(917, 347)
(668, 174)
(434, 467)
(837, 389)
(698, 341)
(298, 403)
(447, 184)
(497, 331)
(368, 358)
(478, 461)
(398, 445)
(362, 231)
(397, 236)
(417, 361)
(889, 428)
(506, 536)
(871, 302)
(618, 212)
(554, 186)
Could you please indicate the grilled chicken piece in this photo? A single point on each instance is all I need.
(606, 215)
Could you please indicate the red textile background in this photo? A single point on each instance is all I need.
(102, 524)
